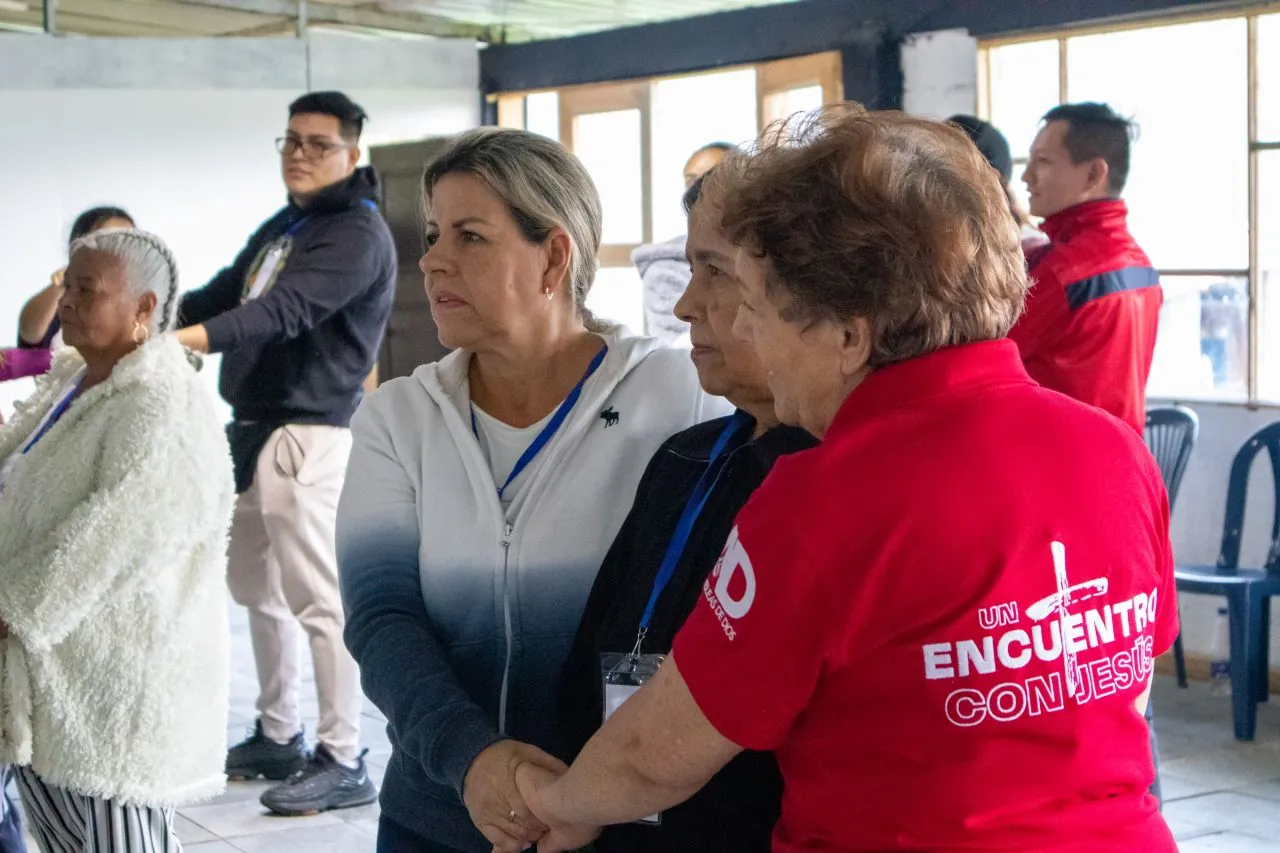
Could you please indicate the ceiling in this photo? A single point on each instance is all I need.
(495, 21)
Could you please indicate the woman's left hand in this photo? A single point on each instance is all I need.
(532, 782)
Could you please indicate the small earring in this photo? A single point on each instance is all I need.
(140, 333)
(551, 294)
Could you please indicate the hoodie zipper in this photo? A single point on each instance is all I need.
(506, 626)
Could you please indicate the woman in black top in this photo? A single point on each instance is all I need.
(689, 496)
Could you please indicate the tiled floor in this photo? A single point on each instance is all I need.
(1221, 796)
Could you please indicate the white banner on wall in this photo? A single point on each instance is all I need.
(940, 73)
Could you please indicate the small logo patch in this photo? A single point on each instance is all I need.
(610, 417)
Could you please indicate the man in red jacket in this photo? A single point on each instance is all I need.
(1089, 330)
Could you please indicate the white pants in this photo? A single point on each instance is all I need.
(63, 821)
(282, 566)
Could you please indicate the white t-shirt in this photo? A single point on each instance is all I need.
(503, 445)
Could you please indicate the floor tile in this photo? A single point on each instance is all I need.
(234, 820)
(1268, 790)
(1228, 842)
(1229, 767)
(369, 826)
(370, 812)
(1221, 812)
(1174, 787)
(191, 833)
(238, 792)
(338, 839)
(206, 847)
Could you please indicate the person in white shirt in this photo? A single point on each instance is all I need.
(663, 267)
(484, 490)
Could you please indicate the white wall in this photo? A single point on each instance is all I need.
(940, 74)
(1197, 515)
(181, 132)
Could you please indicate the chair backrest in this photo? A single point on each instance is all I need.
(1171, 434)
(1237, 491)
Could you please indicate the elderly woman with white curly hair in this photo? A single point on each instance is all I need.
(115, 500)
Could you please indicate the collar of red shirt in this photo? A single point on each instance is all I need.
(1065, 224)
(941, 372)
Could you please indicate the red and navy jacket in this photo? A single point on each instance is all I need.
(1089, 329)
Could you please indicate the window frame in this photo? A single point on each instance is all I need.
(772, 78)
(1253, 274)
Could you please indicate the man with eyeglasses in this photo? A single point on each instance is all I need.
(298, 318)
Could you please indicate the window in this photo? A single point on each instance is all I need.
(1192, 176)
(635, 137)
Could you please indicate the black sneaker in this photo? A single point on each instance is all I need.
(322, 785)
(261, 756)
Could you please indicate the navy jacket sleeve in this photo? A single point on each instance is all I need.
(403, 668)
(334, 265)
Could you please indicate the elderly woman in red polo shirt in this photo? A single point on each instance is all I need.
(942, 620)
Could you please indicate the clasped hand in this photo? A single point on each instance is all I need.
(503, 793)
(533, 783)
(495, 805)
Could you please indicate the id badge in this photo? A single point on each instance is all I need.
(623, 674)
(267, 271)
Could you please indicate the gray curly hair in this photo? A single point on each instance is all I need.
(149, 267)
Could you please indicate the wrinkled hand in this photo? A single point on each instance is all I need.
(490, 795)
(532, 781)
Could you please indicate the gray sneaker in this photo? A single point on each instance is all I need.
(261, 756)
(321, 785)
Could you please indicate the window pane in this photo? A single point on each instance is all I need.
(609, 146)
(616, 296)
(686, 114)
(1269, 78)
(542, 114)
(1024, 86)
(1269, 276)
(1186, 217)
(1202, 349)
(803, 99)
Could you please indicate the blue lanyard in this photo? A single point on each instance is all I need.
(684, 527)
(548, 431)
(58, 411)
(297, 226)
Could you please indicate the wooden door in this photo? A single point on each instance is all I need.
(411, 338)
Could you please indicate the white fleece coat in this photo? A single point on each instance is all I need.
(113, 534)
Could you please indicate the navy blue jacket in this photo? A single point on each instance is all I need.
(300, 352)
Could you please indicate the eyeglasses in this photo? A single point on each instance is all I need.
(312, 149)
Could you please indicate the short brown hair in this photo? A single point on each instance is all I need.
(884, 216)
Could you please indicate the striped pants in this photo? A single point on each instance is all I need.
(63, 821)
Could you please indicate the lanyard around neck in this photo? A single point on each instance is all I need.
(684, 527)
(54, 414)
(548, 431)
(306, 217)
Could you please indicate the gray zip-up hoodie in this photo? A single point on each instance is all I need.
(459, 613)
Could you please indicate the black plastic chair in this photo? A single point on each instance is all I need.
(1248, 591)
(1171, 434)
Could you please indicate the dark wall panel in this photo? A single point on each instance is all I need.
(866, 32)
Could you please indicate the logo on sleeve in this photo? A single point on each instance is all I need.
(731, 587)
(610, 417)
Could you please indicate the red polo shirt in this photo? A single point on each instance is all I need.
(1089, 329)
(940, 618)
